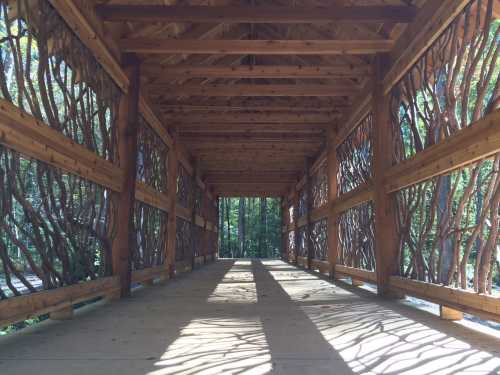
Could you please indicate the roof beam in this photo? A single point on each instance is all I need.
(187, 108)
(252, 118)
(256, 71)
(255, 90)
(258, 14)
(256, 47)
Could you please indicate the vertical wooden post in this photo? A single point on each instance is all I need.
(192, 204)
(386, 251)
(332, 170)
(172, 207)
(127, 147)
(295, 222)
(284, 229)
(310, 248)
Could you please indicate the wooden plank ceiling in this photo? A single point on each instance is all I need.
(251, 87)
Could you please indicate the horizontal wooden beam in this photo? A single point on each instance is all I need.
(149, 274)
(252, 137)
(249, 128)
(252, 118)
(224, 176)
(362, 194)
(256, 71)
(32, 138)
(482, 305)
(478, 141)
(256, 47)
(181, 109)
(242, 103)
(17, 309)
(357, 273)
(150, 196)
(319, 213)
(257, 14)
(255, 90)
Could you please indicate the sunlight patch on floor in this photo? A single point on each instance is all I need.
(217, 346)
(237, 286)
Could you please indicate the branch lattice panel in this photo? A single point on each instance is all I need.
(199, 200)
(184, 186)
(291, 245)
(449, 228)
(302, 242)
(212, 243)
(183, 240)
(455, 83)
(149, 236)
(319, 187)
(152, 157)
(198, 240)
(355, 157)
(303, 199)
(46, 71)
(319, 239)
(56, 229)
(356, 237)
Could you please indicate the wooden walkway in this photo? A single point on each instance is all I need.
(250, 317)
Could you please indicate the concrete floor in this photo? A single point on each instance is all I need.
(250, 317)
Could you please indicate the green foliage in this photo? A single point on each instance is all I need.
(262, 233)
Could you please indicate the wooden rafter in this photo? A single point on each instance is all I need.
(256, 47)
(274, 117)
(259, 14)
(255, 90)
(256, 71)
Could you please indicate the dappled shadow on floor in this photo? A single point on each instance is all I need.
(249, 317)
(385, 337)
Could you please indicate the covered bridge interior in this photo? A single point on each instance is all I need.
(376, 122)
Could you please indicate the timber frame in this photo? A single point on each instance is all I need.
(261, 101)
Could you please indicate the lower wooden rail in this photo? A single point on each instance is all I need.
(322, 266)
(357, 273)
(149, 274)
(24, 307)
(302, 261)
(483, 305)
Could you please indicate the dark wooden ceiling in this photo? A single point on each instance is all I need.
(251, 88)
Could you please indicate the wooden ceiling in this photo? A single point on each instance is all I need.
(251, 87)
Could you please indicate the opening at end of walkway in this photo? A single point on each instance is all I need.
(250, 317)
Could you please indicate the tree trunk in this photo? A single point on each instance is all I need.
(228, 211)
(241, 228)
(263, 229)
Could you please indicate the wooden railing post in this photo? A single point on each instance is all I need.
(332, 170)
(295, 223)
(192, 206)
(310, 248)
(127, 124)
(284, 229)
(385, 225)
(172, 211)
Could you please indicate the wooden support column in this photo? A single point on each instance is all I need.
(192, 204)
(385, 225)
(310, 248)
(127, 147)
(295, 222)
(332, 170)
(172, 204)
(284, 230)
